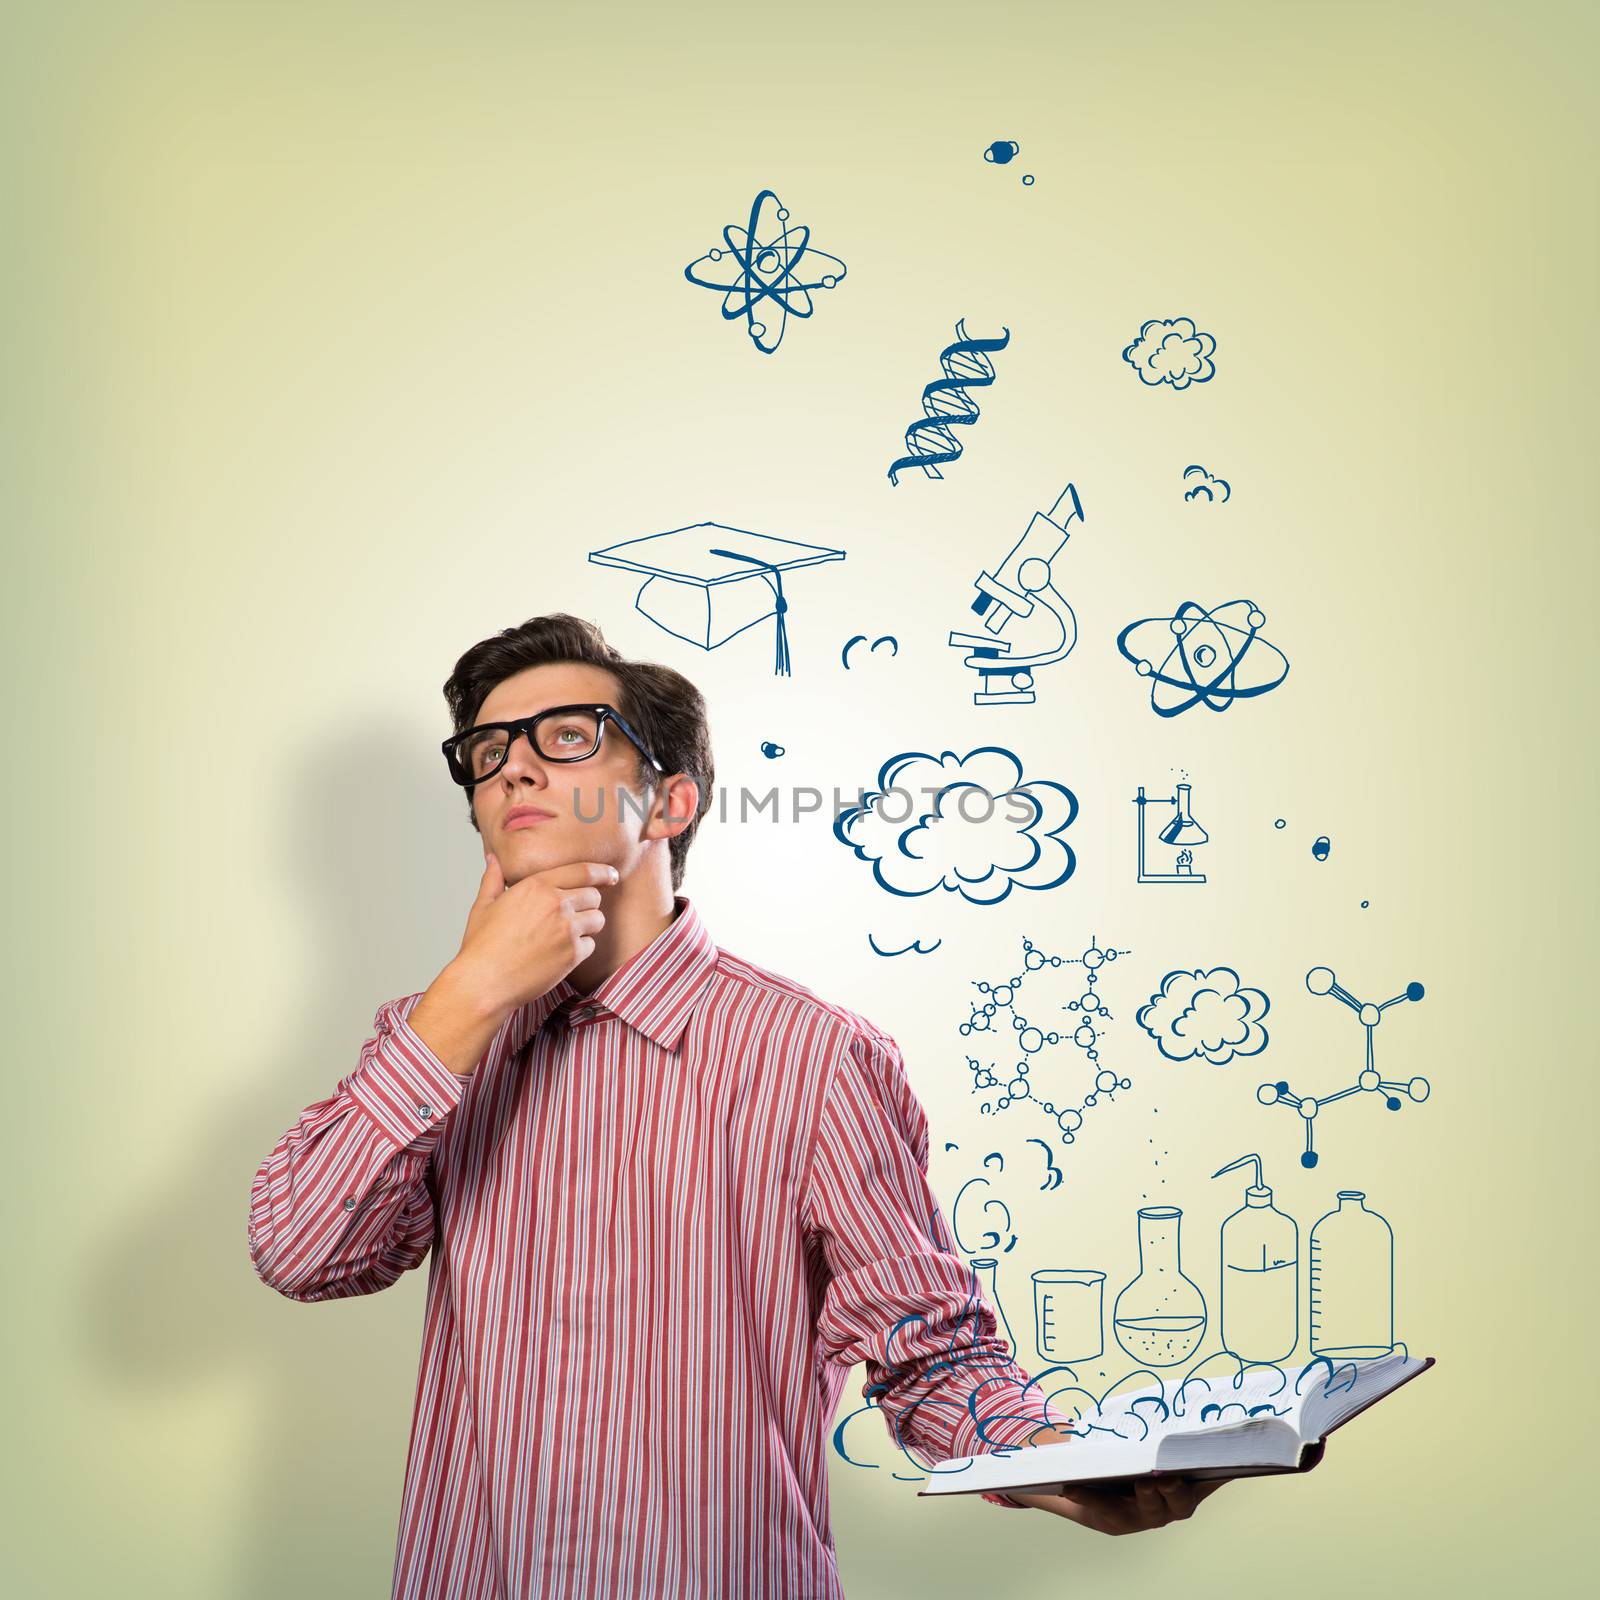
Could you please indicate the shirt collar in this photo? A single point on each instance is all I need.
(654, 991)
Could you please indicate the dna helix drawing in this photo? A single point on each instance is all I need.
(946, 403)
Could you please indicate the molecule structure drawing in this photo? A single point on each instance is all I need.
(767, 273)
(1320, 980)
(998, 1012)
(1212, 658)
(946, 403)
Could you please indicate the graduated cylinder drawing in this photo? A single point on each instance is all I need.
(1160, 1318)
(1259, 1307)
(1352, 1282)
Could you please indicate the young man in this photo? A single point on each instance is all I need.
(671, 1197)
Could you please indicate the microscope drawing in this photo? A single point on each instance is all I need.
(1180, 833)
(1019, 599)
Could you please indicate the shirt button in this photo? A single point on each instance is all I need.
(424, 1111)
(349, 1202)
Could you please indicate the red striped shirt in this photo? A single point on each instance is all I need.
(666, 1220)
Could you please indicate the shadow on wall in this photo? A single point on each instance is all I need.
(174, 1301)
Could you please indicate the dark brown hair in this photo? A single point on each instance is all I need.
(662, 706)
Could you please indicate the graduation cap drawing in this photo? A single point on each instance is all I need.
(708, 582)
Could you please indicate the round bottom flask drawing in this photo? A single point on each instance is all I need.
(1160, 1318)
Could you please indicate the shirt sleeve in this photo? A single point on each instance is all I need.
(342, 1206)
(897, 1295)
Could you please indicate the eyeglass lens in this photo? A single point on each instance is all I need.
(562, 737)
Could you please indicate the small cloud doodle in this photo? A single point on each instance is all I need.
(1173, 352)
(1206, 1013)
(968, 824)
(1198, 484)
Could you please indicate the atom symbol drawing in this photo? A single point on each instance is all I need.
(1212, 657)
(766, 264)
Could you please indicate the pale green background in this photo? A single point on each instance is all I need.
(336, 335)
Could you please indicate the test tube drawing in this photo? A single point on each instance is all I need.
(1068, 1313)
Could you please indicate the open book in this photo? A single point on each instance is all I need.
(1264, 1419)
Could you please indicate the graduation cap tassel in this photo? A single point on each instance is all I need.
(774, 578)
(783, 633)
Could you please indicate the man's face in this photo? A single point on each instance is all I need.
(589, 817)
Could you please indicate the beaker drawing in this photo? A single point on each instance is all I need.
(1352, 1282)
(985, 1267)
(1160, 1318)
(1068, 1313)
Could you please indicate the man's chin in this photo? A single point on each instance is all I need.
(528, 856)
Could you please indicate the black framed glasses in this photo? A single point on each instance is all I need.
(562, 733)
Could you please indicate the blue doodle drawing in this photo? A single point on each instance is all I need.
(881, 1442)
(1004, 151)
(935, 842)
(1352, 1282)
(707, 583)
(1181, 833)
(1198, 483)
(998, 1011)
(1321, 848)
(916, 947)
(1206, 1013)
(1212, 657)
(992, 1234)
(1174, 352)
(1258, 1299)
(1021, 591)
(1320, 980)
(1141, 1399)
(1160, 1318)
(766, 263)
(986, 1268)
(946, 403)
(1069, 1313)
(1053, 1176)
(955, 1355)
(872, 649)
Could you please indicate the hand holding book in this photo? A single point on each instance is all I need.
(1133, 1507)
(1261, 1420)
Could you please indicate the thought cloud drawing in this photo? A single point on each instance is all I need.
(1199, 484)
(1173, 352)
(967, 824)
(1206, 1013)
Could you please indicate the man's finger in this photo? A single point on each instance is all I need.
(1179, 1496)
(1110, 1513)
(1153, 1512)
(491, 883)
(581, 875)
